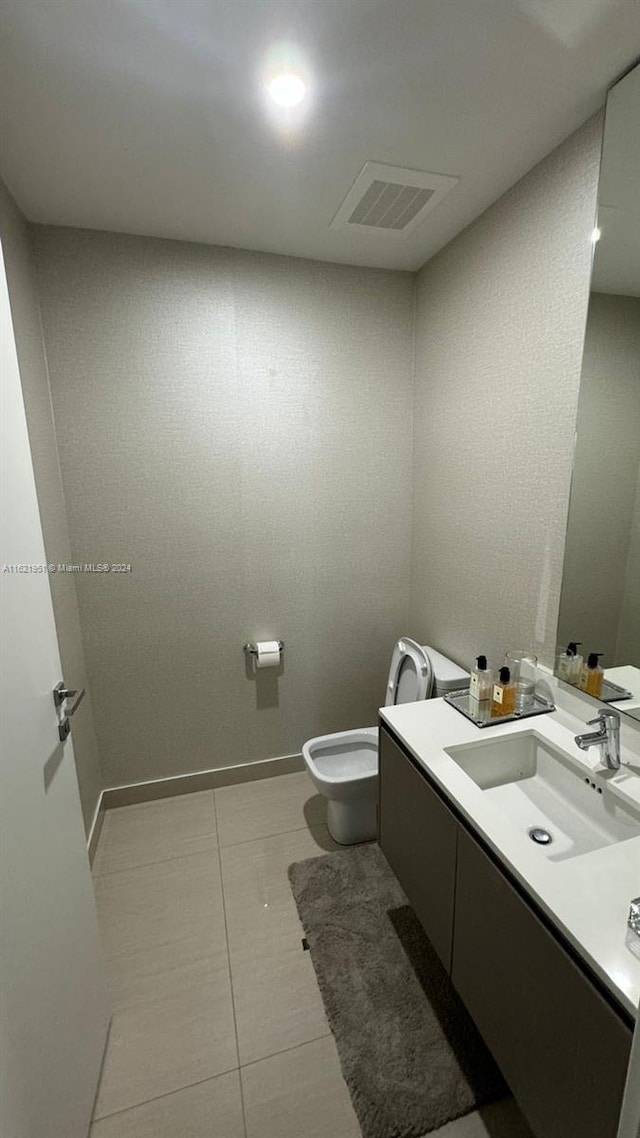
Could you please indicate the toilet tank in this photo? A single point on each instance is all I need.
(447, 676)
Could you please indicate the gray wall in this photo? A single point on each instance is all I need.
(35, 385)
(500, 320)
(238, 427)
(605, 479)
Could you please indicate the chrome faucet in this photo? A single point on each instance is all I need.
(607, 738)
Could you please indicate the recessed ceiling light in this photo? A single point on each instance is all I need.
(596, 235)
(287, 90)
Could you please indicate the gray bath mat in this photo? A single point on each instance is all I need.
(411, 1056)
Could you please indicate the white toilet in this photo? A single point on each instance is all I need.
(344, 766)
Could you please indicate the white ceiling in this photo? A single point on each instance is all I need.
(148, 116)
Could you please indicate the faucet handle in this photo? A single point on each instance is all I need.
(605, 718)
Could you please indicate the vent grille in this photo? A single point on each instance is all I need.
(390, 199)
(387, 205)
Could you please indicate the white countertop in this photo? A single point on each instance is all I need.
(628, 677)
(586, 897)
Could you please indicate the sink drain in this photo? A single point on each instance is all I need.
(542, 837)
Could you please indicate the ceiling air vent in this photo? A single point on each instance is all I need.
(391, 199)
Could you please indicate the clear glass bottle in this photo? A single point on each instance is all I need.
(577, 667)
(480, 690)
(566, 662)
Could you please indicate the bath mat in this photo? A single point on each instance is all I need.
(410, 1054)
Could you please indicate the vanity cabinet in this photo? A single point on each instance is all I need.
(561, 1046)
(418, 836)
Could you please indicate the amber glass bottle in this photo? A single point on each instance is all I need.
(503, 699)
(593, 675)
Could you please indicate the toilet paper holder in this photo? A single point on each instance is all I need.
(252, 649)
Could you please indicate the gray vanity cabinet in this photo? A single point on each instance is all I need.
(560, 1046)
(417, 835)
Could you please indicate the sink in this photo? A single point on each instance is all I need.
(543, 792)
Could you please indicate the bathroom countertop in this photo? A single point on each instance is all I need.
(627, 676)
(586, 897)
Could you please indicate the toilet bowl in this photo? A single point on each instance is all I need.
(344, 766)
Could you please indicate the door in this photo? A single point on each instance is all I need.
(53, 1003)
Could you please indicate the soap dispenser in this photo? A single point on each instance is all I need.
(566, 663)
(577, 665)
(503, 699)
(593, 675)
(480, 689)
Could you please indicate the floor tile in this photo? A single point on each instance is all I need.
(277, 999)
(277, 1003)
(499, 1120)
(208, 1110)
(298, 1092)
(168, 1043)
(162, 903)
(260, 909)
(268, 806)
(163, 970)
(154, 831)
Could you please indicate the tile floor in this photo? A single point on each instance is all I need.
(218, 1027)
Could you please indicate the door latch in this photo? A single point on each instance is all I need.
(60, 695)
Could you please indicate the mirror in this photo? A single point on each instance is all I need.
(600, 597)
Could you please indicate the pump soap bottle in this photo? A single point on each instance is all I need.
(566, 663)
(503, 700)
(480, 689)
(593, 675)
(577, 665)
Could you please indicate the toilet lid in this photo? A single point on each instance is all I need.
(408, 675)
(447, 676)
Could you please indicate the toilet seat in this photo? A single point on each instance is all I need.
(410, 674)
(343, 757)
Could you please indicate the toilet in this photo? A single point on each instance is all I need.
(344, 766)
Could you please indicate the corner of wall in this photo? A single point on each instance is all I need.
(500, 315)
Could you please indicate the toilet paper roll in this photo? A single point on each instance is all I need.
(268, 655)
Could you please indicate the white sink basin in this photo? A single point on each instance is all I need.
(546, 795)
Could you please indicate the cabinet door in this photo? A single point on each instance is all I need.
(417, 835)
(561, 1047)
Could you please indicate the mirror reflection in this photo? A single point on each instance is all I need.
(599, 622)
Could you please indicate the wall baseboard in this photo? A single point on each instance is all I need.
(95, 829)
(191, 783)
